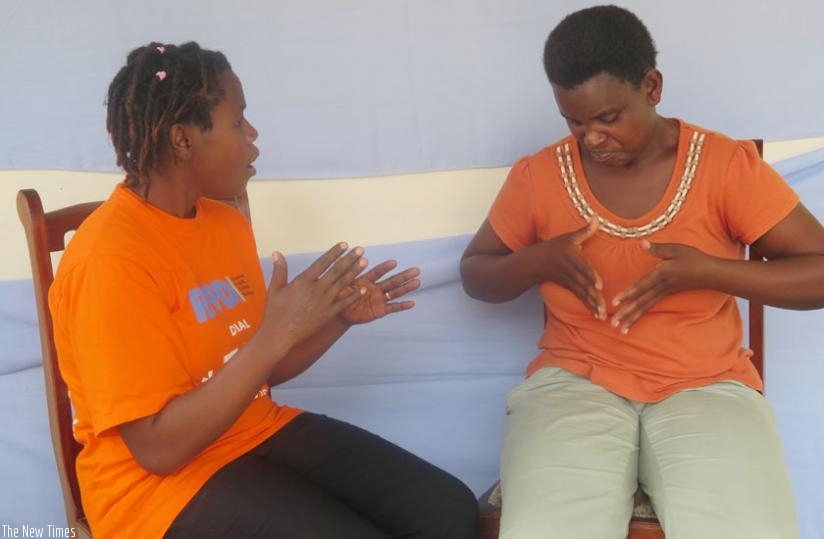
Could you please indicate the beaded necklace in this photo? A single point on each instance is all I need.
(564, 155)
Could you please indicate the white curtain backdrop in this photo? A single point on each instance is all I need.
(344, 88)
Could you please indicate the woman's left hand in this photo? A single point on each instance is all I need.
(680, 268)
(380, 297)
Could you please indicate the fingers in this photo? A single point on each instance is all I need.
(399, 306)
(601, 312)
(280, 272)
(639, 299)
(348, 299)
(402, 289)
(328, 258)
(592, 299)
(400, 284)
(675, 272)
(344, 270)
(586, 284)
(336, 270)
(638, 302)
(580, 236)
(380, 270)
(621, 297)
(333, 275)
(664, 251)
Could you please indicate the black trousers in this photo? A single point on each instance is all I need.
(322, 478)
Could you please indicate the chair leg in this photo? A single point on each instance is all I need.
(645, 529)
(489, 526)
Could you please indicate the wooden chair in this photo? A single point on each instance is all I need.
(45, 234)
(644, 524)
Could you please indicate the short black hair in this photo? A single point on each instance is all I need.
(160, 85)
(600, 39)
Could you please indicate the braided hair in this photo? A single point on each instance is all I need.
(160, 86)
(600, 39)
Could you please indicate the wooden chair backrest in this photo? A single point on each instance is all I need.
(45, 234)
(755, 309)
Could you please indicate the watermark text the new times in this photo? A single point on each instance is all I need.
(36, 531)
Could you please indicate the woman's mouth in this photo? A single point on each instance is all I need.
(249, 165)
(602, 156)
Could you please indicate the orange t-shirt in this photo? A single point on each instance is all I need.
(688, 339)
(148, 306)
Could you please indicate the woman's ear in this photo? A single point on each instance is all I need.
(180, 142)
(653, 86)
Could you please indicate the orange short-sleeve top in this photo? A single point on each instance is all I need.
(148, 306)
(688, 339)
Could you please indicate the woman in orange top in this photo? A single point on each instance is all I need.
(169, 341)
(634, 228)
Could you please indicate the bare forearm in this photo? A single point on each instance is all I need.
(789, 283)
(294, 312)
(190, 422)
(303, 355)
(498, 278)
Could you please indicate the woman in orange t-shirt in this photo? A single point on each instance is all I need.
(169, 341)
(634, 228)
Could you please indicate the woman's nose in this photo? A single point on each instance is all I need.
(251, 132)
(593, 138)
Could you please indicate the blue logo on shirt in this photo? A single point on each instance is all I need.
(220, 295)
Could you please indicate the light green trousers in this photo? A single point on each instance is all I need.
(709, 458)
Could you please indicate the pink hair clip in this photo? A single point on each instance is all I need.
(161, 49)
(160, 75)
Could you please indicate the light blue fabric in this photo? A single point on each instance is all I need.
(31, 490)
(19, 331)
(433, 379)
(340, 88)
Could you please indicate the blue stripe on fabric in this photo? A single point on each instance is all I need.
(801, 168)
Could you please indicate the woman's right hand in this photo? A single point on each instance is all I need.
(188, 423)
(296, 310)
(563, 264)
